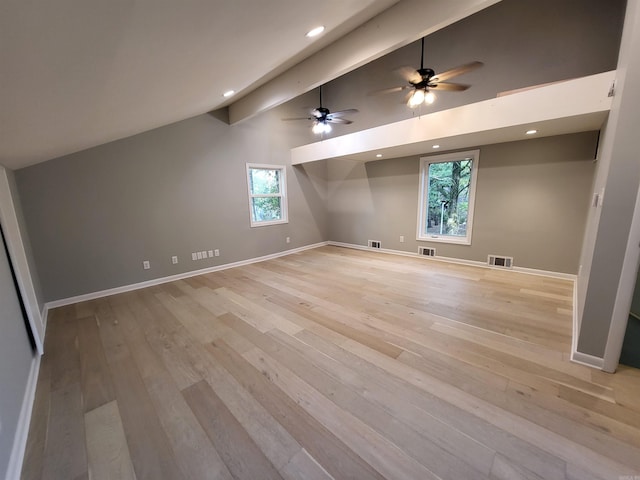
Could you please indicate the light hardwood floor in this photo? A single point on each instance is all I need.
(331, 363)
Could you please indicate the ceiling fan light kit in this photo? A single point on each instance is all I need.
(416, 98)
(321, 127)
(420, 96)
(430, 97)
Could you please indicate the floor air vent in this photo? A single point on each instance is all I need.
(427, 251)
(375, 243)
(499, 261)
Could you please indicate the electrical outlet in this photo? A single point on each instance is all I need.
(401, 238)
(174, 259)
(204, 254)
(199, 255)
(288, 239)
(210, 252)
(146, 265)
(216, 252)
(194, 256)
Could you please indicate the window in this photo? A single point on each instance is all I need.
(267, 194)
(447, 192)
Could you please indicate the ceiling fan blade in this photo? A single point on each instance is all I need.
(342, 121)
(384, 91)
(342, 113)
(454, 72)
(388, 90)
(410, 74)
(449, 87)
(296, 118)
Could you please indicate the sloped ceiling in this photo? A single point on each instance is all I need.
(78, 73)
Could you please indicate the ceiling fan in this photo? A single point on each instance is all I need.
(322, 117)
(423, 81)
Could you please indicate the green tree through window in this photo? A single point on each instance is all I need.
(266, 194)
(447, 197)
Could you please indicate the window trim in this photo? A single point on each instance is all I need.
(282, 195)
(423, 196)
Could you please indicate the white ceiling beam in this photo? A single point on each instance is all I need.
(396, 27)
(572, 106)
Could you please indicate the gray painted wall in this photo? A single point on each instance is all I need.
(531, 202)
(94, 216)
(16, 357)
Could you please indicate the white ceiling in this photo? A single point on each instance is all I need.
(79, 73)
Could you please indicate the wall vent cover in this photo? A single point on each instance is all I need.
(427, 251)
(375, 244)
(500, 261)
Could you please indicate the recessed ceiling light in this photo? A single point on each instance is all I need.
(436, 146)
(315, 31)
(531, 132)
(228, 93)
(379, 155)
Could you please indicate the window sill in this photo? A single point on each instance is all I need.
(266, 224)
(445, 239)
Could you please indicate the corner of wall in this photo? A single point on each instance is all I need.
(16, 243)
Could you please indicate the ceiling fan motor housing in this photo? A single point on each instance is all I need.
(427, 74)
(321, 113)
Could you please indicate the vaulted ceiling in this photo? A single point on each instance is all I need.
(78, 73)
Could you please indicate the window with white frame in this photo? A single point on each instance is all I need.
(267, 194)
(447, 194)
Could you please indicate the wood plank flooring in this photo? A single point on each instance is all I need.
(330, 363)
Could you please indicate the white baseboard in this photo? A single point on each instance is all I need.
(24, 421)
(546, 273)
(586, 359)
(158, 281)
(407, 254)
(462, 261)
(576, 356)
